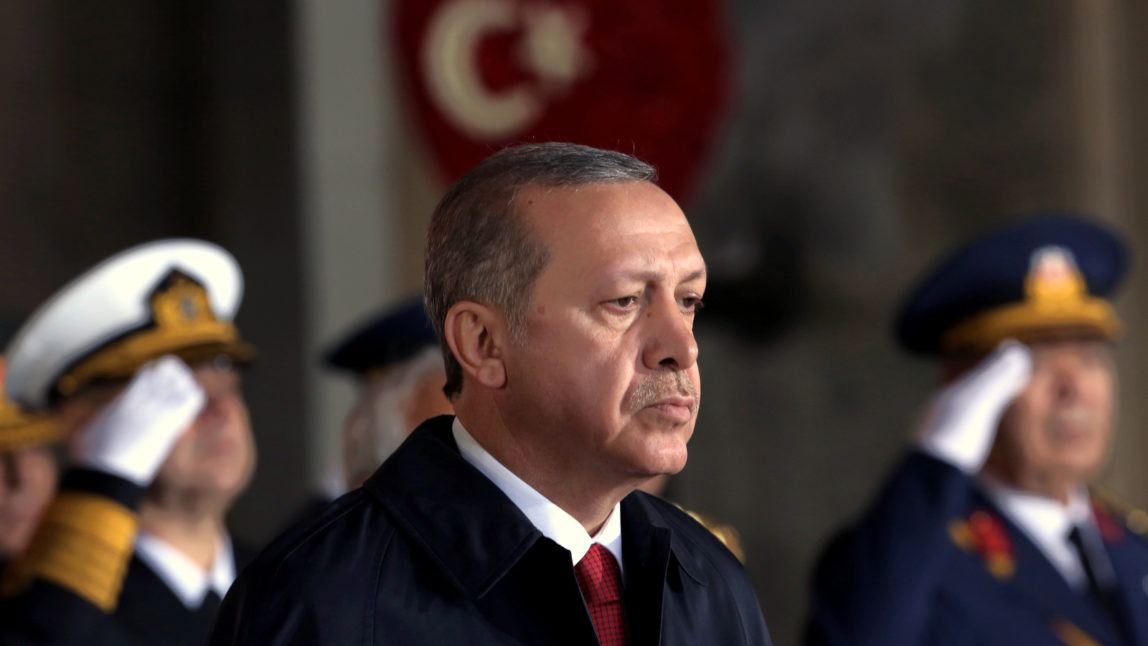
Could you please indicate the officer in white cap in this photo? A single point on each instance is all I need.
(136, 358)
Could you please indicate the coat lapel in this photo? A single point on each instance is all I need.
(480, 540)
(1037, 584)
(646, 553)
(1038, 580)
(459, 517)
(1131, 570)
(662, 572)
(151, 612)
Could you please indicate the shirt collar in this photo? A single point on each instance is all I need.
(550, 519)
(1046, 522)
(189, 582)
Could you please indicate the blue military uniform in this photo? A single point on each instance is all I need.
(935, 559)
(906, 575)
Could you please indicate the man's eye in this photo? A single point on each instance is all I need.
(1097, 355)
(625, 302)
(692, 303)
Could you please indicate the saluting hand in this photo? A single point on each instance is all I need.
(132, 436)
(960, 421)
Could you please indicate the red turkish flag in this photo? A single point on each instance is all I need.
(645, 77)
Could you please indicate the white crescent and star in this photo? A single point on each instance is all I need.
(551, 47)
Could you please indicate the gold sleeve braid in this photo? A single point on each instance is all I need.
(83, 544)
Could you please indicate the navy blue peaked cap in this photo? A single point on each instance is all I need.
(397, 334)
(984, 291)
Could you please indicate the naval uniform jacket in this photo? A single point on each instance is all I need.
(151, 613)
(429, 551)
(147, 612)
(935, 562)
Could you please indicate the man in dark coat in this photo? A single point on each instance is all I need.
(562, 284)
(986, 533)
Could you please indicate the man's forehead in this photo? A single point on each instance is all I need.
(1050, 345)
(601, 211)
(648, 269)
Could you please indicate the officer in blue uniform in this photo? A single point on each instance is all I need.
(987, 532)
(398, 365)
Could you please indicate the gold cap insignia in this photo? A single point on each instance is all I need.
(182, 323)
(1056, 303)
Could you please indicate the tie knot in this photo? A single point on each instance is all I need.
(1074, 535)
(1080, 544)
(598, 576)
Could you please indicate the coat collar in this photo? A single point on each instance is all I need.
(647, 523)
(475, 534)
(461, 519)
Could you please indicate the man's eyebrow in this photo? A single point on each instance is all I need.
(649, 276)
(696, 274)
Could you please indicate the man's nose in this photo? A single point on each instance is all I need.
(1066, 378)
(10, 474)
(217, 405)
(670, 343)
(17, 470)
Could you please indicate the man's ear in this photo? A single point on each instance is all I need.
(476, 334)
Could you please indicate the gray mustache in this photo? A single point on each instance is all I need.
(661, 386)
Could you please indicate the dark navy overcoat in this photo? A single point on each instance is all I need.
(429, 551)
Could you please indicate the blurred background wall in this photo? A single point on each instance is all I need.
(855, 142)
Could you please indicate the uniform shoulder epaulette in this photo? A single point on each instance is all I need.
(83, 544)
(1136, 520)
(725, 533)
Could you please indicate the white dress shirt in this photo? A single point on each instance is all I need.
(185, 578)
(1047, 524)
(549, 518)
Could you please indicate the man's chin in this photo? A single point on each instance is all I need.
(665, 464)
(1080, 474)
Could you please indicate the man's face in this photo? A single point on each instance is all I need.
(27, 484)
(608, 371)
(1060, 427)
(215, 457)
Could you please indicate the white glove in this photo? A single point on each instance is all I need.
(961, 419)
(132, 436)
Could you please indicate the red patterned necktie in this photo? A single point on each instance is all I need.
(601, 583)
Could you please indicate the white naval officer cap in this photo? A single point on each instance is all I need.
(175, 296)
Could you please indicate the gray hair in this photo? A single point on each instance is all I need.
(478, 247)
(381, 417)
